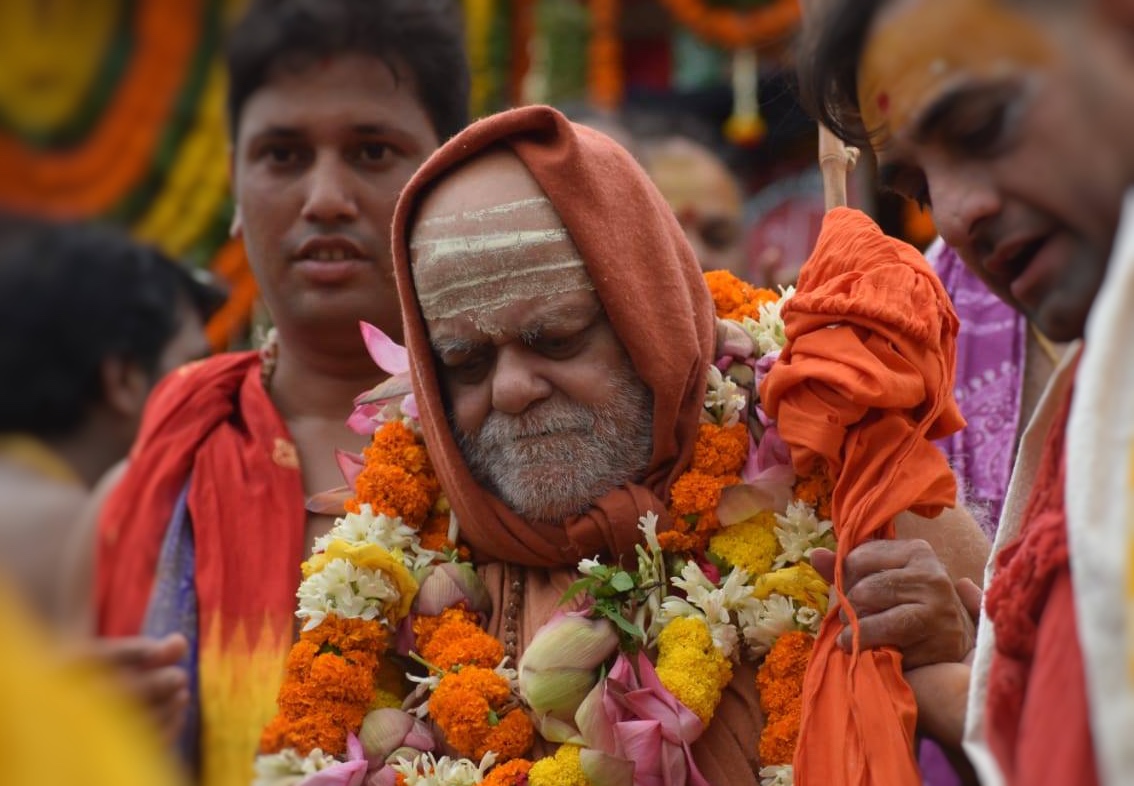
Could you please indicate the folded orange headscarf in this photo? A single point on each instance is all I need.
(863, 385)
(650, 285)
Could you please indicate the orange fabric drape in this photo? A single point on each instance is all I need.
(863, 385)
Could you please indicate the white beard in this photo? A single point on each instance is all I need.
(554, 460)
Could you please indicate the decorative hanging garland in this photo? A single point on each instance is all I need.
(732, 29)
(604, 56)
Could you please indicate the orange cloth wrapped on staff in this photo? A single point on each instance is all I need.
(864, 384)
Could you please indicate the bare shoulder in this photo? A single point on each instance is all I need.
(74, 595)
(956, 538)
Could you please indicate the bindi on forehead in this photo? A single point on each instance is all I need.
(919, 49)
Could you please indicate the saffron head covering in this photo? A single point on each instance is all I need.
(649, 284)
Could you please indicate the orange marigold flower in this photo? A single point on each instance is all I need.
(434, 534)
(391, 490)
(815, 489)
(424, 628)
(779, 738)
(720, 450)
(348, 633)
(460, 641)
(678, 541)
(511, 738)
(736, 299)
(780, 683)
(694, 492)
(511, 773)
(464, 705)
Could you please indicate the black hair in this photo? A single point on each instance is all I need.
(422, 37)
(71, 297)
(827, 65)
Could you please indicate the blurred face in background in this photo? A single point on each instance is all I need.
(706, 199)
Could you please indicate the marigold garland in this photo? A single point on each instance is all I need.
(780, 683)
(735, 299)
(724, 592)
(731, 29)
(562, 769)
(691, 667)
(470, 707)
(750, 545)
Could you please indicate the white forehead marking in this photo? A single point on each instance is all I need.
(486, 213)
(436, 249)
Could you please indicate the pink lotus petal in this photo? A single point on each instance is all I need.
(351, 772)
(330, 503)
(743, 501)
(394, 387)
(350, 464)
(363, 420)
(603, 769)
(409, 407)
(390, 356)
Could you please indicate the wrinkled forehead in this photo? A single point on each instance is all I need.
(488, 237)
(918, 49)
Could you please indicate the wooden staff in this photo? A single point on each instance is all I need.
(836, 160)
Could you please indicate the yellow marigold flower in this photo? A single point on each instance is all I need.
(563, 769)
(372, 557)
(691, 667)
(801, 583)
(750, 545)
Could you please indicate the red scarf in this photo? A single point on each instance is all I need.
(213, 423)
(1038, 719)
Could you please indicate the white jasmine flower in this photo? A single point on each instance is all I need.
(346, 590)
(587, 566)
(723, 400)
(648, 525)
(389, 532)
(799, 531)
(809, 619)
(716, 605)
(288, 768)
(766, 621)
(778, 775)
(767, 332)
(425, 770)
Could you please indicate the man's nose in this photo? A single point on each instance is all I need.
(517, 381)
(963, 199)
(330, 196)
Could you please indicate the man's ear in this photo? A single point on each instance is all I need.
(125, 386)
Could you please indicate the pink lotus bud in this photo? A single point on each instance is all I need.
(448, 584)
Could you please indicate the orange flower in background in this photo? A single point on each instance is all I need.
(720, 450)
(735, 299)
(780, 683)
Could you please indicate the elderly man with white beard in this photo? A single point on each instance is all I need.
(560, 335)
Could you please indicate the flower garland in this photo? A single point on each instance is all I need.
(730, 581)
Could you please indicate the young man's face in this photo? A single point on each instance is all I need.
(320, 158)
(999, 126)
(543, 398)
